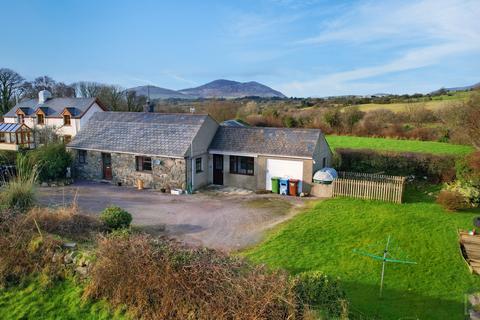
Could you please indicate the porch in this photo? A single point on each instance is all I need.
(15, 136)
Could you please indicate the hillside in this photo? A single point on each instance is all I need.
(436, 103)
(232, 89)
(158, 93)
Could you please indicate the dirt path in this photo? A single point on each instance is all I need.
(227, 222)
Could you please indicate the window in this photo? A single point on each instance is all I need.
(82, 156)
(66, 120)
(324, 164)
(198, 165)
(144, 163)
(2, 137)
(67, 139)
(40, 119)
(21, 118)
(241, 165)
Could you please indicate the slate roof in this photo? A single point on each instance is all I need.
(52, 107)
(139, 133)
(266, 141)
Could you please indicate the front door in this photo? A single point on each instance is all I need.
(218, 169)
(107, 166)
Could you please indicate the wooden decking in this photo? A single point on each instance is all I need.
(470, 247)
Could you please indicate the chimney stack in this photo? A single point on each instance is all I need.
(43, 96)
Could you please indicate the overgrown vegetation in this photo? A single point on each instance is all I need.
(53, 160)
(165, 280)
(18, 193)
(465, 191)
(437, 168)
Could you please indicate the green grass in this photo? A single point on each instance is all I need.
(386, 144)
(62, 301)
(323, 238)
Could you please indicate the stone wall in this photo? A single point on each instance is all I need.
(91, 169)
(166, 173)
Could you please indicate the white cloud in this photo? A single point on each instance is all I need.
(445, 29)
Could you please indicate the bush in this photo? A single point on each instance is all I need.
(19, 192)
(436, 168)
(470, 192)
(116, 218)
(53, 161)
(164, 280)
(451, 200)
(320, 292)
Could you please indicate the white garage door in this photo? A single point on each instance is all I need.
(284, 169)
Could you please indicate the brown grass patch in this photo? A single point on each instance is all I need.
(159, 279)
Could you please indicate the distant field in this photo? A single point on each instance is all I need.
(435, 104)
(384, 144)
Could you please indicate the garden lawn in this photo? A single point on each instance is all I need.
(324, 237)
(386, 144)
(62, 301)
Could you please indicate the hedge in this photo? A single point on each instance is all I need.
(437, 168)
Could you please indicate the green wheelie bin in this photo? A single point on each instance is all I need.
(275, 185)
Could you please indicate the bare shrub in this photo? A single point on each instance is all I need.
(158, 279)
(451, 200)
(66, 222)
(418, 114)
(424, 134)
(29, 244)
(24, 250)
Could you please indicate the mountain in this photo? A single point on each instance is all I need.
(232, 89)
(159, 93)
(474, 86)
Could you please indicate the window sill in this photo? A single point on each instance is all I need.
(197, 172)
(243, 174)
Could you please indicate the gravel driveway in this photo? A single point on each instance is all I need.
(223, 221)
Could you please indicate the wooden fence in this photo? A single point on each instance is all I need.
(369, 186)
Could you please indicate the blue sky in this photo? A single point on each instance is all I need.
(302, 48)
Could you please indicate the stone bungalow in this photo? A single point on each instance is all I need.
(191, 151)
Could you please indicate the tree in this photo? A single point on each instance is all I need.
(86, 89)
(10, 82)
(465, 119)
(57, 89)
(333, 118)
(112, 97)
(350, 117)
(133, 102)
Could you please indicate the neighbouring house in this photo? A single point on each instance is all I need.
(65, 116)
(189, 151)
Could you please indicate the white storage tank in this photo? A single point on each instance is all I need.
(325, 176)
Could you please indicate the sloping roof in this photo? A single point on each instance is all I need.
(139, 133)
(10, 127)
(266, 141)
(53, 107)
(234, 123)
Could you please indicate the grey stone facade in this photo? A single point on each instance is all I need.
(166, 173)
